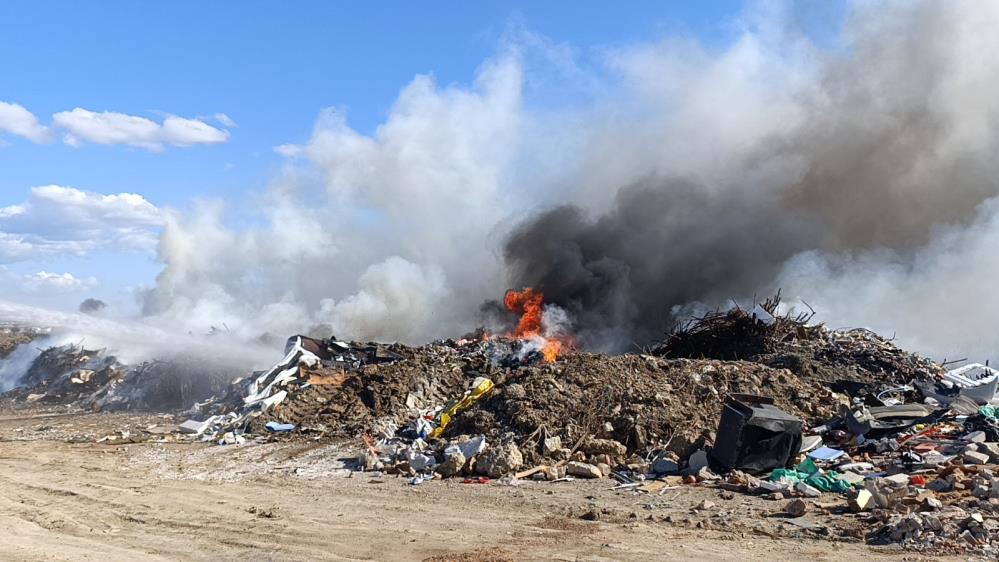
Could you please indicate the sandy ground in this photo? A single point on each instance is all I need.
(65, 497)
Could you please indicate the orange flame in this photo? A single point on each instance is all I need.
(529, 304)
(551, 350)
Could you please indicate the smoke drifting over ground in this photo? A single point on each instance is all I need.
(857, 177)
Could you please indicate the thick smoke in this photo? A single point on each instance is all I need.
(856, 176)
(857, 185)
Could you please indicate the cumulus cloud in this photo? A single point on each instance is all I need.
(17, 120)
(80, 126)
(44, 280)
(225, 120)
(107, 127)
(58, 220)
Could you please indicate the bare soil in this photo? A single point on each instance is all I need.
(64, 496)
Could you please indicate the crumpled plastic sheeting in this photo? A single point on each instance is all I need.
(807, 472)
(262, 392)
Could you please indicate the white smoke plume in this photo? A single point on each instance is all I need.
(131, 341)
(858, 177)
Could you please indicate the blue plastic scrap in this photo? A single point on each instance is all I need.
(826, 454)
(275, 427)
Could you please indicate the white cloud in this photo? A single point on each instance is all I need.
(289, 150)
(57, 220)
(109, 128)
(44, 280)
(225, 120)
(17, 120)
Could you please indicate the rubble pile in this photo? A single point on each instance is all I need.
(95, 380)
(788, 341)
(12, 336)
(639, 401)
(923, 476)
(907, 446)
(840, 422)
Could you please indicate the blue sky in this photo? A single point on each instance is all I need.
(268, 67)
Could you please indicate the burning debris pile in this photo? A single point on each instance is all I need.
(747, 400)
(784, 409)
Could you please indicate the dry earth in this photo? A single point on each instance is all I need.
(65, 497)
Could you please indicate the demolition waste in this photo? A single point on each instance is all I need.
(837, 421)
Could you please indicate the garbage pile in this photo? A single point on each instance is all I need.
(95, 380)
(788, 341)
(917, 467)
(754, 401)
(638, 400)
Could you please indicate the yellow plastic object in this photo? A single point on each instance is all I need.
(454, 408)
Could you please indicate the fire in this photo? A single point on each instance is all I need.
(529, 304)
(551, 350)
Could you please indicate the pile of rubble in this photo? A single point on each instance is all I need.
(747, 401)
(341, 389)
(95, 380)
(13, 335)
(788, 341)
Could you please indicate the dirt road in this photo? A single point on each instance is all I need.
(291, 501)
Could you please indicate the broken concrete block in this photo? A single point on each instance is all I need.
(452, 464)
(551, 446)
(851, 478)
(796, 507)
(898, 479)
(604, 447)
(931, 523)
(583, 470)
(774, 486)
(990, 449)
(499, 460)
(972, 457)
(975, 437)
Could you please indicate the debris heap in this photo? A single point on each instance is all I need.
(95, 380)
(788, 341)
(746, 400)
